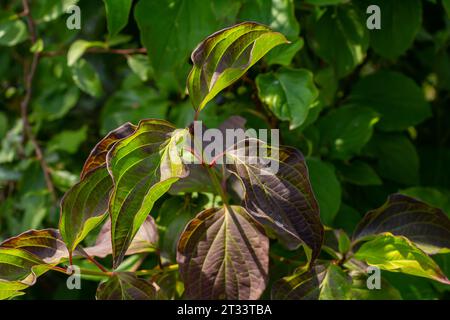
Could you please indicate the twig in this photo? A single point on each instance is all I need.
(29, 76)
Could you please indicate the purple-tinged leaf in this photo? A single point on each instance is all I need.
(223, 254)
(144, 241)
(46, 245)
(126, 286)
(282, 199)
(427, 227)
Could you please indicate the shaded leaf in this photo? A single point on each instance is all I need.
(289, 94)
(341, 38)
(143, 166)
(344, 131)
(12, 32)
(326, 188)
(359, 173)
(223, 254)
(397, 158)
(225, 56)
(86, 78)
(278, 193)
(400, 23)
(397, 98)
(398, 254)
(117, 12)
(145, 240)
(126, 286)
(427, 227)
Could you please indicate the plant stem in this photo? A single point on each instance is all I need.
(29, 76)
(217, 184)
(91, 259)
(152, 272)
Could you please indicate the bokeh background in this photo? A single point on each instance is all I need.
(370, 109)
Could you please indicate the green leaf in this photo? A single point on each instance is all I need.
(78, 48)
(68, 140)
(143, 167)
(132, 104)
(279, 15)
(3, 125)
(225, 56)
(398, 254)
(432, 196)
(140, 65)
(126, 286)
(427, 227)
(323, 282)
(344, 131)
(223, 254)
(278, 194)
(284, 53)
(49, 10)
(19, 270)
(12, 32)
(324, 2)
(400, 23)
(341, 38)
(397, 98)
(117, 12)
(397, 158)
(85, 205)
(326, 187)
(288, 93)
(170, 40)
(446, 4)
(86, 78)
(174, 215)
(55, 102)
(359, 173)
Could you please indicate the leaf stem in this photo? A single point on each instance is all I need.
(217, 184)
(152, 272)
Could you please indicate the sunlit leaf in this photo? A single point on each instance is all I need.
(143, 166)
(427, 227)
(398, 254)
(223, 254)
(85, 205)
(225, 56)
(288, 93)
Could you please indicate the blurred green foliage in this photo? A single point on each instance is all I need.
(369, 108)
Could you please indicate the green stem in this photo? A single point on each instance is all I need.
(217, 184)
(152, 272)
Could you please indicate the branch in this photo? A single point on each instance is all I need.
(30, 71)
